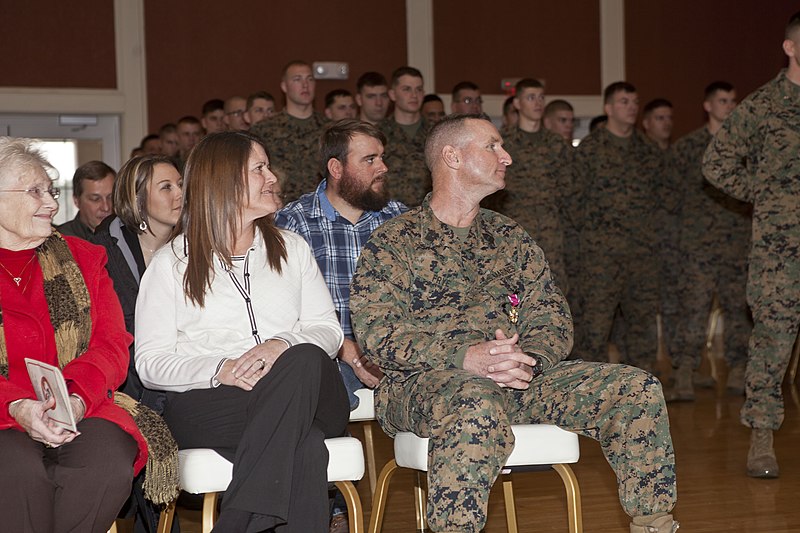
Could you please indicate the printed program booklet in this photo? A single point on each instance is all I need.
(48, 381)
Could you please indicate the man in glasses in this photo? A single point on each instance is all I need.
(466, 99)
(235, 108)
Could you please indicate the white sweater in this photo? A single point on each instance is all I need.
(179, 346)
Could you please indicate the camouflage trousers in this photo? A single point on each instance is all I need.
(670, 262)
(773, 292)
(630, 284)
(468, 420)
(702, 276)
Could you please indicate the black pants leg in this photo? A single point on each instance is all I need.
(79, 486)
(274, 435)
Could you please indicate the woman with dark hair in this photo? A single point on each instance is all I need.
(147, 202)
(148, 197)
(235, 321)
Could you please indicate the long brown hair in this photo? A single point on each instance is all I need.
(215, 189)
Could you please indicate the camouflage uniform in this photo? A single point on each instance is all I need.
(713, 241)
(293, 145)
(536, 184)
(421, 295)
(755, 157)
(409, 177)
(618, 205)
(668, 256)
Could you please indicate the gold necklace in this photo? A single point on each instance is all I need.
(18, 279)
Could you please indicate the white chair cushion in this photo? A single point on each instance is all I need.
(346, 461)
(204, 470)
(535, 444)
(366, 406)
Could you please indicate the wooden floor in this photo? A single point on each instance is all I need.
(714, 494)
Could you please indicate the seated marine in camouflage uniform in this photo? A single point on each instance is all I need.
(457, 306)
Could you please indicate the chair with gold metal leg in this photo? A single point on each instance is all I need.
(204, 471)
(537, 447)
(365, 415)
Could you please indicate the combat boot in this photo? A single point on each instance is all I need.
(683, 389)
(761, 460)
(650, 524)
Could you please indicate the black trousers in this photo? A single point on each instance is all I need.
(274, 435)
(79, 486)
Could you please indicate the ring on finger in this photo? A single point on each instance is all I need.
(263, 363)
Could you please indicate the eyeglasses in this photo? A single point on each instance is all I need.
(55, 192)
(469, 100)
(237, 113)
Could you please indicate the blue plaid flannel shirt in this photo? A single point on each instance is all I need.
(335, 242)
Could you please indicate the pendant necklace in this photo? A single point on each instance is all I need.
(18, 279)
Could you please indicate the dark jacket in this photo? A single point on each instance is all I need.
(125, 267)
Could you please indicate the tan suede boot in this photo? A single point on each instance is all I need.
(660, 523)
(761, 460)
(683, 389)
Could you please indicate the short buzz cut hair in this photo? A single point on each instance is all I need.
(212, 105)
(557, 105)
(405, 71)
(712, 88)
(334, 143)
(527, 83)
(445, 132)
(431, 98)
(371, 79)
(617, 87)
(169, 127)
(331, 97)
(464, 86)
(654, 104)
(92, 171)
(189, 119)
(792, 26)
(264, 95)
(294, 63)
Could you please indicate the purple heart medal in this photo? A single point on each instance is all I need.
(513, 312)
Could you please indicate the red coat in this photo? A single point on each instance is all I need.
(94, 375)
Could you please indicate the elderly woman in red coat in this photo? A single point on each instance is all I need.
(57, 305)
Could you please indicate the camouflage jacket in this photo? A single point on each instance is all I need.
(619, 197)
(293, 146)
(755, 157)
(537, 182)
(421, 295)
(409, 178)
(709, 218)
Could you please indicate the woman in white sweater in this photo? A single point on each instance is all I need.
(236, 323)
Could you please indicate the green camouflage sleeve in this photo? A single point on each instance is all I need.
(725, 160)
(384, 327)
